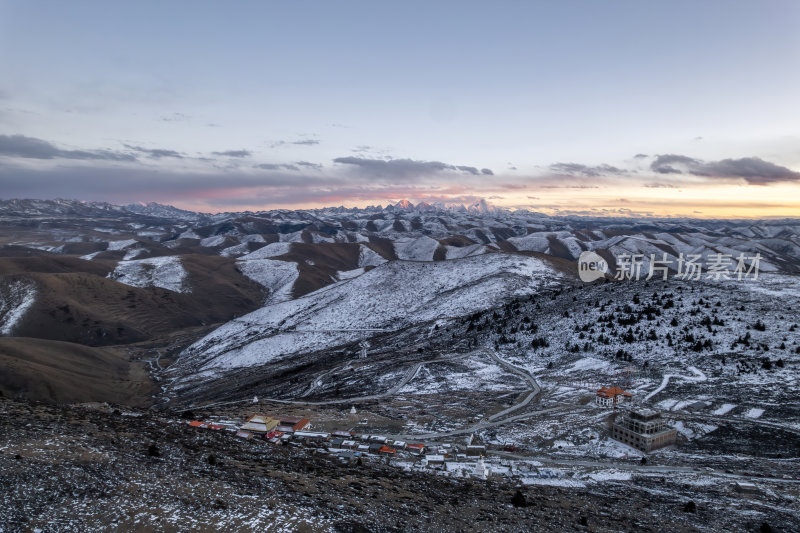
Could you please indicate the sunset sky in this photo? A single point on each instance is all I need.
(608, 108)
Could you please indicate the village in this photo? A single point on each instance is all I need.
(643, 430)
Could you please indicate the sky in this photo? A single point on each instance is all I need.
(612, 108)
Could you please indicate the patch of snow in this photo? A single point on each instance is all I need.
(253, 237)
(667, 405)
(133, 254)
(610, 475)
(271, 250)
(349, 274)
(724, 409)
(755, 412)
(419, 249)
(590, 363)
(210, 242)
(456, 252)
(369, 257)
(296, 236)
(235, 251)
(189, 234)
(15, 299)
(121, 245)
(277, 276)
(164, 272)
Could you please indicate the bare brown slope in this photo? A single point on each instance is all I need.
(97, 311)
(53, 264)
(319, 263)
(63, 372)
(219, 286)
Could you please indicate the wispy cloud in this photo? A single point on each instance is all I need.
(32, 167)
(174, 117)
(306, 164)
(577, 169)
(155, 153)
(301, 142)
(33, 148)
(233, 153)
(276, 166)
(753, 170)
(406, 168)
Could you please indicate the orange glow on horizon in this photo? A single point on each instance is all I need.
(717, 201)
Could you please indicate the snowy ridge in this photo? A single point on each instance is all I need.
(392, 296)
(415, 231)
(164, 272)
(15, 299)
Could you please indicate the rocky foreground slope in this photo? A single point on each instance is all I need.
(88, 469)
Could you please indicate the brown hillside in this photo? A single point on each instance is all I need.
(90, 309)
(63, 372)
(53, 264)
(318, 263)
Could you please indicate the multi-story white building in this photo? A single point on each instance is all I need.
(612, 397)
(643, 429)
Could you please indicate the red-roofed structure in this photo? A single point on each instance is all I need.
(612, 396)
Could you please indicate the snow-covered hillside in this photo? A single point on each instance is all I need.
(392, 296)
(277, 276)
(164, 272)
(15, 299)
(271, 250)
(368, 257)
(420, 249)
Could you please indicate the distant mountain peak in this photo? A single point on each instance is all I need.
(404, 204)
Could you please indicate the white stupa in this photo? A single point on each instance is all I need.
(481, 470)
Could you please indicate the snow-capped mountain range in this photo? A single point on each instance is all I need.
(226, 265)
(421, 232)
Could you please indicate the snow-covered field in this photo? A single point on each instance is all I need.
(164, 272)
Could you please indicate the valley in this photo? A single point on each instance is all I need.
(420, 324)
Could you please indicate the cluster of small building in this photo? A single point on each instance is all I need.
(349, 445)
(643, 429)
